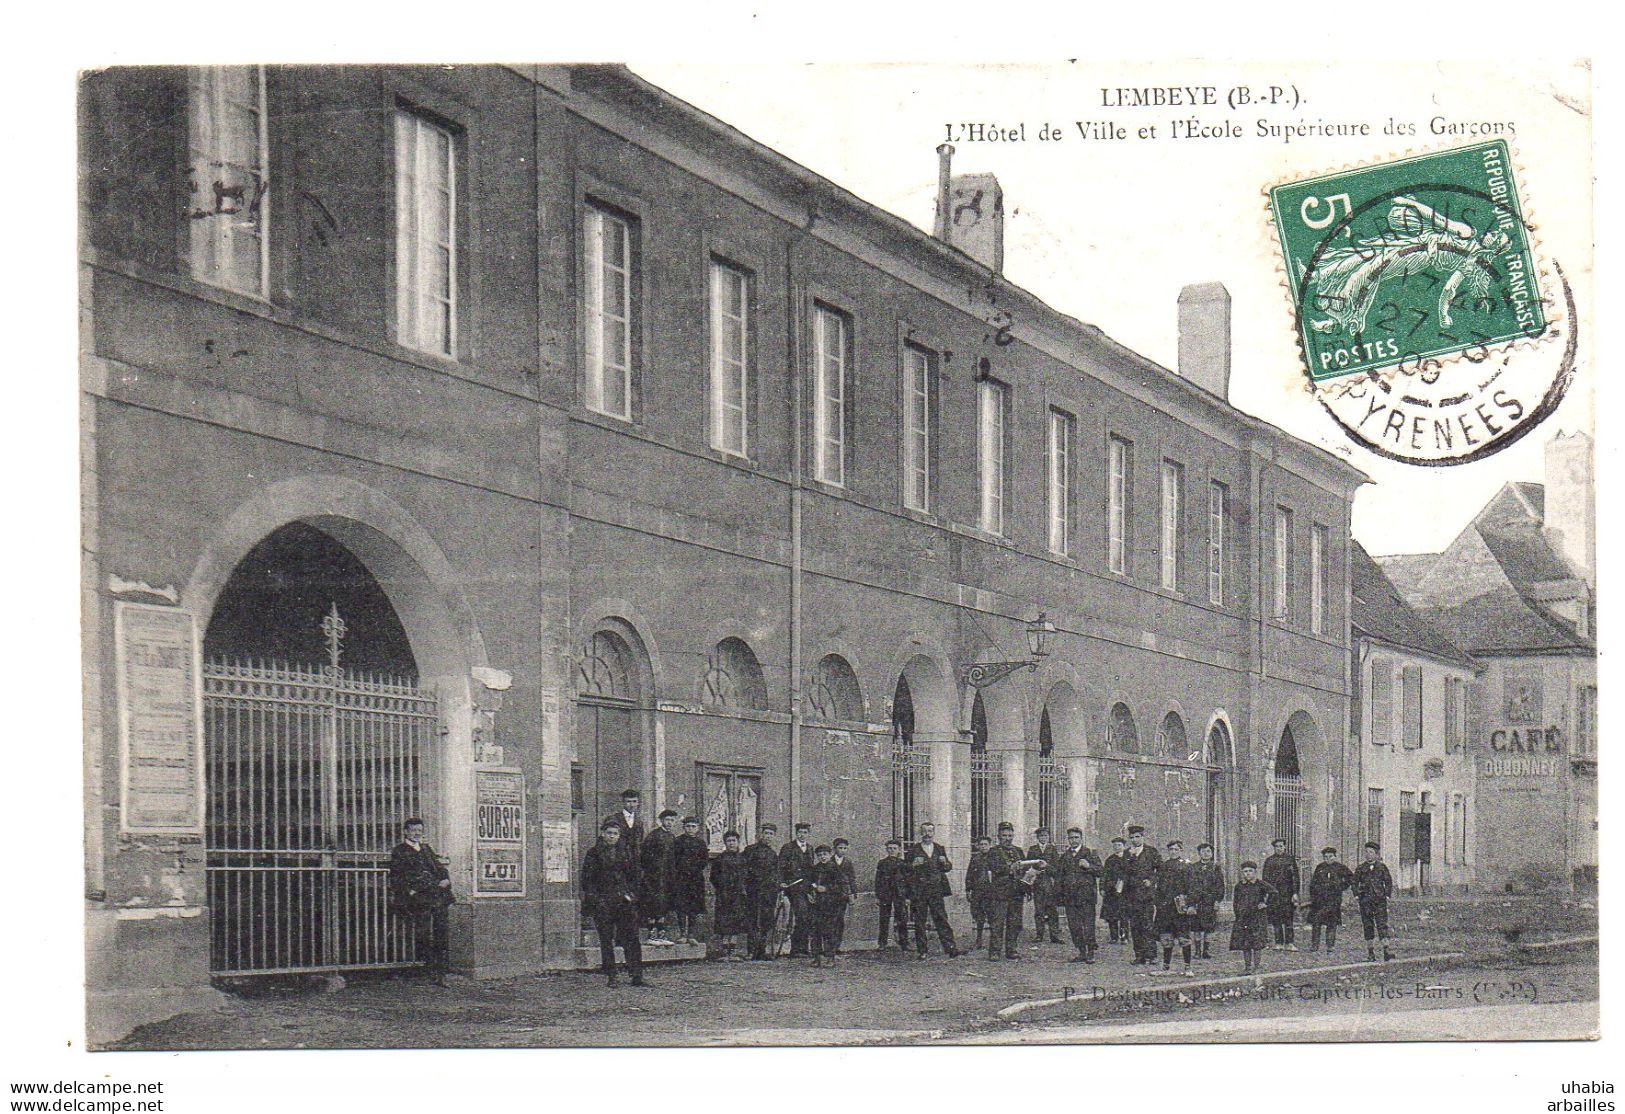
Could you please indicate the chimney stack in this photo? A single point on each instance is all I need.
(1204, 337)
(970, 212)
(1571, 516)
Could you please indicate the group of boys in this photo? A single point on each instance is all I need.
(1148, 900)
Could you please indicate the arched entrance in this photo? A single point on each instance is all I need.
(319, 743)
(1220, 758)
(984, 774)
(910, 767)
(1288, 794)
(612, 683)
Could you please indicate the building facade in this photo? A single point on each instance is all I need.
(1409, 726)
(476, 442)
(1516, 590)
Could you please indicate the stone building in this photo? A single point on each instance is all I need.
(1516, 590)
(1408, 728)
(475, 442)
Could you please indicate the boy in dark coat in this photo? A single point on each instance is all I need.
(658, 860)
(1175, 912)
(976, 886)
(1373, 886)
(849, 883)
(891, 893)
(795, 866)
(1326, 886)
(1281, 875)
(761, 888)
(1251, 930)
(1139, 894)
(1009, 881)
(1207, 890)
(1046, 907)
(688, 890)
(1077, 884)
(609, 894)
(732, 914)
(1111, 894)
(828, 902)
(420, 890)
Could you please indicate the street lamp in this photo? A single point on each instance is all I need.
(984, 673)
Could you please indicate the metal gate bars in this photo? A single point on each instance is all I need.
(310, 773)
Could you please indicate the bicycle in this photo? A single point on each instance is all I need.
(783, 928)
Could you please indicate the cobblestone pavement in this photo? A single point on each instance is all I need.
(868, 996)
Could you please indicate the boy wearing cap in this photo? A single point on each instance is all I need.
(1111, 893)
(1139, 894)
(1251, 930)
(732, 914)
(827, 889)
(690, 858)
(1206, 891)
(795, 869)
(1326, 886)
(761, 889)
(1175, 913)
(609, 894)
(1281, 874)
(628, 821)
(1046, 909)
(658, 859)
(978, 888)
(849, 885)
(891, 893)
(1373, 886)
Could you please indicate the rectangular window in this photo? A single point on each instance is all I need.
(610, 291)
(1586, 719)
(1217, 494)
(829, 389)
(1173, 515)
(1373, 815)
(1458, 826)
(1283, 564)
(1411, 705)
(425, 235)
(730, 348)
(1455, 714)
(1062, 436)
(992, 439)
(229, 211)
(731, 800)
(1119, 491)
(1382, 703)
(917, 408)
(1317, 579)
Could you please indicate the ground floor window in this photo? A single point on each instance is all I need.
(731, 797)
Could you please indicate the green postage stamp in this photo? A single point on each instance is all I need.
(1408, 260)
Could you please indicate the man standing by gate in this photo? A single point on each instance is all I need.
(420, 890)
(1281, 875)
(1140, 865)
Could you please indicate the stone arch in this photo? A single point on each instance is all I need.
(833, 692)
(634, 628)
(733, 677)
(1172, 741)
(1223, 819)
(1122, 733)
(1296, 773)
(932, 696)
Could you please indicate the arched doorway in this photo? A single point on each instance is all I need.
(1047, 774)
(1288, 794)
(608, 724)
(907, 775)
(984, 774)
(1220, 758)
(319, 743)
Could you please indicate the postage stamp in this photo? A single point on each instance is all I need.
(1426, 325)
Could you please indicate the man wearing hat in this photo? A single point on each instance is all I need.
(1111, 894)
(795, 874)
(690, 859)
(1008, 881)
(610, 880)
(658, 860)
(1281, 875)
(1046, 906)
(928, 867)
(1207, 890)
(1077, 884)
(1176, 914)
(1373, 886)
(1139, 894)
(627, 820)
(1326, 886)
(761, 889)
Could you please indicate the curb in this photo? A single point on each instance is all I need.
(1018, 1011)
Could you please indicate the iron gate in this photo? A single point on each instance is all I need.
(310, 774)
(1289, 812)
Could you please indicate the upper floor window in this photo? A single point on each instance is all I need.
(425, 235)
(1062, 437)
(1283, 564)
(1455, 714)
(917, 410)
(1411, 705)
(1217, 495)
(1173, 514)
(830, 345)
(610, 291)
(992, 439)
(730, 348)
(229, 212)
(1317, 580)
(1382, 702)
(1119, 490)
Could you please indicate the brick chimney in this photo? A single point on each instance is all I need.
(1571, 516)
(970, 212)
(1204, 337)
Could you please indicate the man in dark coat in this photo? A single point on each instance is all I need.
(1207, 890)
(658, 859)
(1139, 894)
(1373, 886)
(1111, 895)
(1282, 876)
(828, 900)
(628, 820)
(1326, 886)
(891, 893)
(1077, 884)
(762, 889)
(689, 860)
(420, 890)
(1046, 903)
(1176, 914)
(849, 885)
(732, 909)
(795, 873)
(978, 892)
(609, 895)
(1009, 882)
(928, 867)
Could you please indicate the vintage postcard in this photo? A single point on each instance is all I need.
(921, 554)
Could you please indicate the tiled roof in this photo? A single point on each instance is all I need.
(1504, 622)
(1380, 613)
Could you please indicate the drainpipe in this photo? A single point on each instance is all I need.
(797, 494)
